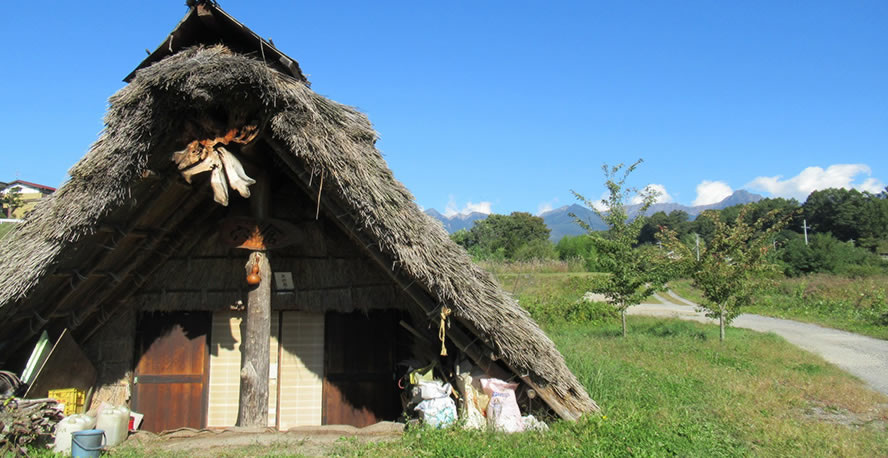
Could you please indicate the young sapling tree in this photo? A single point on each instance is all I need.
(634, 274)
(731, 264)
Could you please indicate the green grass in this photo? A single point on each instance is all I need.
(548, 283)
(684, 289)
(857, 305)
(671, 388)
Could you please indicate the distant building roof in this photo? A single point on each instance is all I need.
(29, 184)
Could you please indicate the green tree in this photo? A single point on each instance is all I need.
(11, 200)
(848, 214)
(676, 220)
(635, 274)
(731, 264)
(505, 236)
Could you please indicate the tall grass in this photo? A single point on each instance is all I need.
(533, 266)
(853, 304)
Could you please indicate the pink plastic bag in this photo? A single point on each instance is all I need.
(503, 413)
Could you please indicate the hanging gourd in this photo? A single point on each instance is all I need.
(253, 277)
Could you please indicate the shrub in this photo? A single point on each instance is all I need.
(564, 303)
(826, 254)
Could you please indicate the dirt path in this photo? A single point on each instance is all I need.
(298, 441)
(863, 357)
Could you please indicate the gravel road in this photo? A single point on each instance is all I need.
(863, 357)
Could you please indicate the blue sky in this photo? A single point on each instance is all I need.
(507, 106)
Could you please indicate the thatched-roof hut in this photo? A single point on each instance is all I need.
(135, 258)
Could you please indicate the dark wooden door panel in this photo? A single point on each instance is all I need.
(171, 373)
(360, 354)
(170, 405)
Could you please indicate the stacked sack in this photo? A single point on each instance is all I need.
(437, 409)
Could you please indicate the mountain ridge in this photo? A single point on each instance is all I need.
(560, 222)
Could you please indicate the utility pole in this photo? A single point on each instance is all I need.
(805, 228)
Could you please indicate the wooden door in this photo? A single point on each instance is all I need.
(359, 384)
(171, 373)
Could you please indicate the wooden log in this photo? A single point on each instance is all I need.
(253, 409)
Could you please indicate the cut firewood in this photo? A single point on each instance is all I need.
(26, 421)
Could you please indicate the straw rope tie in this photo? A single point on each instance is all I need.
(442, 331)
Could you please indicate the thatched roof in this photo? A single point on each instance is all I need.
(311, 136)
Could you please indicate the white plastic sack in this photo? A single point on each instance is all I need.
(503, 413)
(434, 389)
(437, 413)
(473, 416)
(532, 424)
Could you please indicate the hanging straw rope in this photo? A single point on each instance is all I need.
(320, 188)
(442, 331)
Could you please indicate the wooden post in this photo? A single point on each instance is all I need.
(254, 347)
(253, 401)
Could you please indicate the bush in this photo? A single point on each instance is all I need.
(826, 254)
(564, 303)
(535, 250)
(581, 247)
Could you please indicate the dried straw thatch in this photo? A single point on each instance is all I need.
(144, 125)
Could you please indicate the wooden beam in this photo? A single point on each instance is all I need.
(253, 398)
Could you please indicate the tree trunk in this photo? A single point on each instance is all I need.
(721, 325)
(253, 409)
(623, 316)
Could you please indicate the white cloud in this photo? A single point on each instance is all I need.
(453, 209)
(546, 206)
(872, 185)
(662, 196)
(711, 192)
(601, 203)
(815, 178)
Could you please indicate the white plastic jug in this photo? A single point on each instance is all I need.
(68, 425)
(115, 422)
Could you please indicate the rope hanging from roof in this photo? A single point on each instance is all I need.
(442, 331)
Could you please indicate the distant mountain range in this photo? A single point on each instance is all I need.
(456, 222)
(560, 222)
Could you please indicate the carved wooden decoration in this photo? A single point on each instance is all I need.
(210, 155)
(254, 234)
